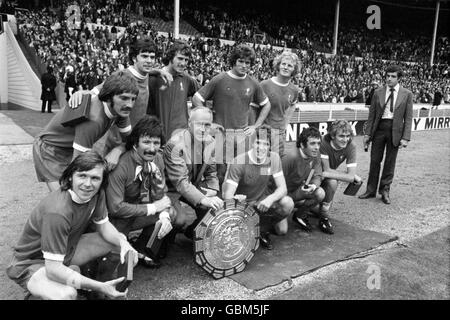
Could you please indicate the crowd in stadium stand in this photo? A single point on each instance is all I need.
(95, 53)
(247, 24)
(224, 26)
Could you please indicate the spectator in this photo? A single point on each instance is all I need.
(48, 83)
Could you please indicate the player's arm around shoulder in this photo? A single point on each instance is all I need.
(77, 97)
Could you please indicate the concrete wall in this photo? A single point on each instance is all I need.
(3, 72)
(23, 86)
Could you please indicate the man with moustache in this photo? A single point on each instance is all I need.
(257, 176)
(232, 92)
(56, 146)
(283, 95)
(136, 193)
(142, 56)
(191, 168)
(336, 147)
(170, 102)
(388, 127)
(297, 166)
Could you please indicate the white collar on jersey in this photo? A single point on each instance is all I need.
(136, 73)
(76, 198)
(304, 156)
(274, 80)
(335, 147)
(231, 74)
(107, 111)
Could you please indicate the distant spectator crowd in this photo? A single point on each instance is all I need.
(245, 23)
(95, 52)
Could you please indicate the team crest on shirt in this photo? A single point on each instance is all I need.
(181, 86)
(247, 91)
(266, 171)
(341, 157)
(250, 175)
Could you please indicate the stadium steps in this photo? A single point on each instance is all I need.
(24, 86)
(29, 58)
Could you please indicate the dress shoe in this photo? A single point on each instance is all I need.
(326, 226)
(164, 248)
(385, 197)
(167, 242)
(303, 223)
(367, 195)
(264, 240)
(146, 261)
(162, 253)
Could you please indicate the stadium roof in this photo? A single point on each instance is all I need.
(413, 4)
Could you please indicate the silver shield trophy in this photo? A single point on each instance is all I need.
(226, 239)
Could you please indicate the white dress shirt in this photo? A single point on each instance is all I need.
(387, 114)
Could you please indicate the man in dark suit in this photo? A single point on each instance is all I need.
(388, 127)
(437, 98)
(48, 83)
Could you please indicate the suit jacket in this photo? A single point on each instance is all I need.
(182, 170)
(123, 194)
(403, 114)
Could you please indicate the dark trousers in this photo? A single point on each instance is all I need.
(49, 105)
(146, 223)
(200, 211)
(382, 140)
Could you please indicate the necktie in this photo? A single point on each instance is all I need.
(145, 183)
(391, 102)
(152, 183)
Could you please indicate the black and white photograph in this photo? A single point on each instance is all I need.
(229, 156)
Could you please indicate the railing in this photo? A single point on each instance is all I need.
(36, 63)
(24, 86)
